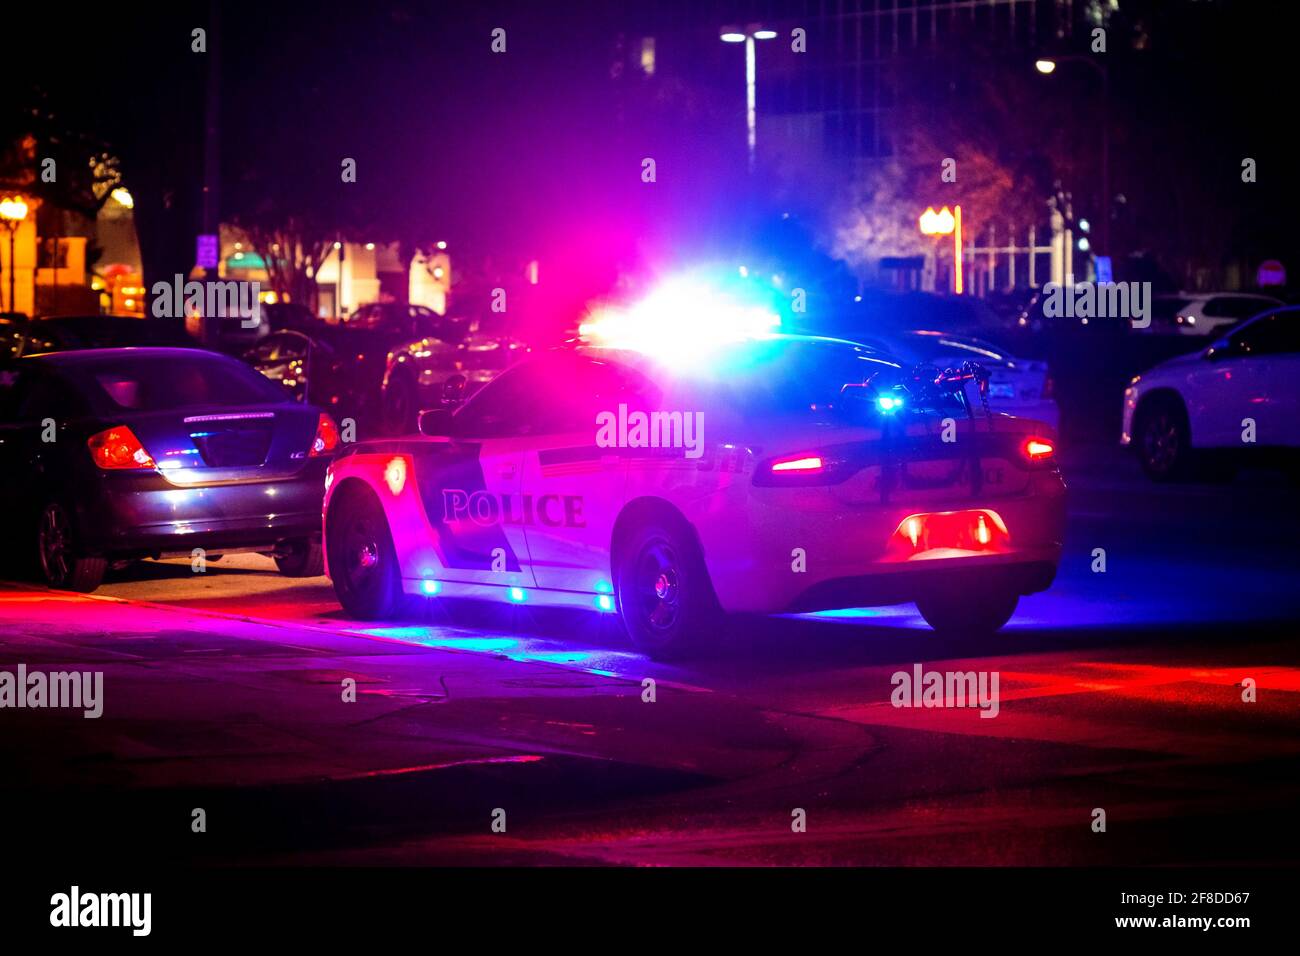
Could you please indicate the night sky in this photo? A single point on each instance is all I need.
(536, 154)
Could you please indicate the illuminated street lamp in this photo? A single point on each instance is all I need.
(13, 210)
(940, 223)
(1047, 67)
(945, 223)
(748, 37)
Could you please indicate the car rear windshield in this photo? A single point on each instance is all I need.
(158, 383)
(804, 379)
(948, 350)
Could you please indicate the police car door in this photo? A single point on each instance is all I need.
(577, 487)
(470, 486)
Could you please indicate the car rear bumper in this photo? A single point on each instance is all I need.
(936, 578)
(144, 514)
(793, 558)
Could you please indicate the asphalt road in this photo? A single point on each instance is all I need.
(1119, 690)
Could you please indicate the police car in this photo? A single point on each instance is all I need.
(769, 474)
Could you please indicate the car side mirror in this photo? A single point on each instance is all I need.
(453, 390)
(435, 422)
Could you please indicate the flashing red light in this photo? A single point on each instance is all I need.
(327, 436)
(804, 463)
(117, 447)
(1036, 449)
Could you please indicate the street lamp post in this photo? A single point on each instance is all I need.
(1048, 66)
(13, 210)
(748, 37)
(946, 223)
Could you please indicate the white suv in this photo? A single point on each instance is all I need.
(1239, 398)
(1209, 313)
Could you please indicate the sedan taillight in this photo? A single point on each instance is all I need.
(1039, 449)
(118, 448)
(802, 463)
(327, 436)
(827, 466)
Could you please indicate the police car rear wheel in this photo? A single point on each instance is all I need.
(972, 613)
(362, 560)
(664, 593)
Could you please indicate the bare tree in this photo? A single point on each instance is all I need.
(292, 252)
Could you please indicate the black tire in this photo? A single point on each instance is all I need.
(61, 561)
(301, 558)
(363, 561)
(665, 597)
(1163, 440)
(975, 613)
(400, 409)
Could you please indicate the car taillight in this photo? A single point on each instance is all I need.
(826, 466)
(1039, 449)
(117, 447)
(327, 436)
(948, 534)
(802, 464)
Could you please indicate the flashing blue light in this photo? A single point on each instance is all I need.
(431, 587)
(604, 602)
(889, 403)
(518, 595)
(604, 587)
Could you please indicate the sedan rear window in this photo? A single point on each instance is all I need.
(805, 379)
(161, 383)
(945, 349)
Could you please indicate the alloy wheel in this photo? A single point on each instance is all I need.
(55, 544)
(658, 585)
